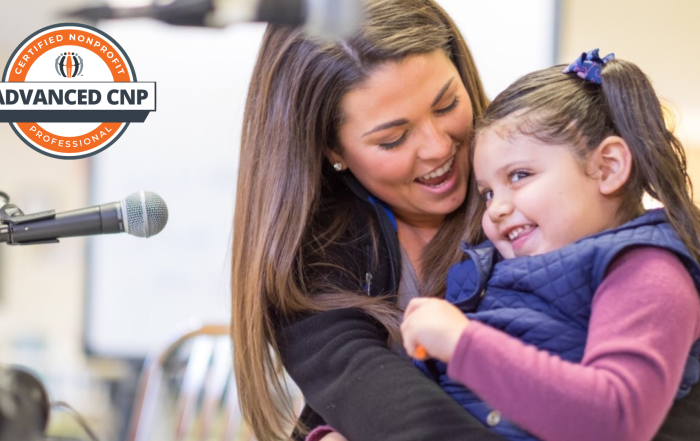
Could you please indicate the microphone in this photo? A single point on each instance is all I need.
(141, 214)
(323, 18)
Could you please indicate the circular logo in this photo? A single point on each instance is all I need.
(69, 91)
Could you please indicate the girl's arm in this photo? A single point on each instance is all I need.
(645, 316)
(349, 376)
(325, 433)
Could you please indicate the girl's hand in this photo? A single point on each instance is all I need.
(433, 324)
(333, 436)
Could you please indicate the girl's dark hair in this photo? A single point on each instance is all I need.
(562, 108)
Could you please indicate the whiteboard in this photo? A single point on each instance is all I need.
(187, 152)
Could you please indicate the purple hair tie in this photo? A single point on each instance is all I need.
(589, 66)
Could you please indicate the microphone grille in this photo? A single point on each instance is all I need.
(145, 214)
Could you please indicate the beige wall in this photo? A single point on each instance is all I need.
(661, 37)
(41, 287)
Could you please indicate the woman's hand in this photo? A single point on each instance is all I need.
(434, 324)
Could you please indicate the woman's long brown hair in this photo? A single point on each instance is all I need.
(284, 188)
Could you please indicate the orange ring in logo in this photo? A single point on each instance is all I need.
(80, 36)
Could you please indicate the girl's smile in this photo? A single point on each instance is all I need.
(539, 197)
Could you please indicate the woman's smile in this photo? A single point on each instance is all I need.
(438, 177)
(405, 133)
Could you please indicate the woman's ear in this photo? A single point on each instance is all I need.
(334, 158)
(612, 164)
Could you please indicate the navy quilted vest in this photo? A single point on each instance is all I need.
(545, 300)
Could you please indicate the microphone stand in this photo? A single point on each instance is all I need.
(7, 210)
(11, 216)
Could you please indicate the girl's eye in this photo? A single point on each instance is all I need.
(487, 195)
(517, 175)
(391, 145)
(448, 108)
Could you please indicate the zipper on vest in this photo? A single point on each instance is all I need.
(368, 274)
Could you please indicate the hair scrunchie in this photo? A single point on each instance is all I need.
(589, 66)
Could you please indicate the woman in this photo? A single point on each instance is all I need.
(352, 192)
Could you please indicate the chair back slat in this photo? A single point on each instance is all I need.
(232, 411)
(187, 390)
(215, 386)
(145, 406)
(192, 384)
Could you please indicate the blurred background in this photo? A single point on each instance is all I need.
(84, 313)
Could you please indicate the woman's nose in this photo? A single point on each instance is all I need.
(436, 142)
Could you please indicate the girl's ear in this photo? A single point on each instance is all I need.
(612, 164)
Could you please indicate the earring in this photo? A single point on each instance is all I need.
(338, 166)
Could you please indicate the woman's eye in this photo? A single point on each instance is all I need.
(391, 145)
(452, 105)
(518, 175)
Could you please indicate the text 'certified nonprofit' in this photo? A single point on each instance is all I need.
(69, 91)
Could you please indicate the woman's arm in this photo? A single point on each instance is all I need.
(645, 316)
(348, 375)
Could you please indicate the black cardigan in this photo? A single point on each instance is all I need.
(352, 380)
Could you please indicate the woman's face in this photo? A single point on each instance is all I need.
(405, 135)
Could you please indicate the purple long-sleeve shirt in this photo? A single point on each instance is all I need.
(644, 318)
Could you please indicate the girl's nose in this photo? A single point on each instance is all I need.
(499, 208)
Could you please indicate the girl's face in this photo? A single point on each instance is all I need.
(405, 133)
(538, 197)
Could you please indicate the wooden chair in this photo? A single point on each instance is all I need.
(187, 390)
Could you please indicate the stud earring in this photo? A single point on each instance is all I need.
(338, 166)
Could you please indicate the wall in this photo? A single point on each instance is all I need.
(660, 37)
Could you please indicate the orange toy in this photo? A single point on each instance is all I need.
(420, 353)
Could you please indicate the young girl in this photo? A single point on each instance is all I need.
(584, 331)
